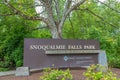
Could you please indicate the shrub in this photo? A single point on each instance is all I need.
(56, 74)
(98, 72)
(4, 69)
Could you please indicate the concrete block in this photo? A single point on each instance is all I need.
(22, 71)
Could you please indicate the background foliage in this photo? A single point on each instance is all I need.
(92, 21)
(98, 22)
(13, 31)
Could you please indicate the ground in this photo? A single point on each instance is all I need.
(77, 75)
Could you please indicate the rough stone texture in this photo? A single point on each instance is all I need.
(102, 58)
(22, 71)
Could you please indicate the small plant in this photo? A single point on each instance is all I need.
(56, 74)
(98, 72)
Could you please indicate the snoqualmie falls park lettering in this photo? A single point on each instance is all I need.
(53, 47)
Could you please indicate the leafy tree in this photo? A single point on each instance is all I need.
(54, 12)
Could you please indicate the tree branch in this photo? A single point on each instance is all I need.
(68, 11)
(49, 9)
(101, 18)
(18, 12)
(67, 5)
(109, 7)
(94, 14)
(57, 10)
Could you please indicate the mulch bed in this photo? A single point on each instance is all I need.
(77, 75)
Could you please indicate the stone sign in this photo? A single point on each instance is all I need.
(60, 53)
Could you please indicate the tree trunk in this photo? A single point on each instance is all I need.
(56, 34)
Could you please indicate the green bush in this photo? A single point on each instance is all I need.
(114, 60)
(98, 72)
(13, 30)
(56, 74)
(17, 56)
(4, 69)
